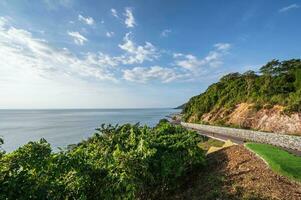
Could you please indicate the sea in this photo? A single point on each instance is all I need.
(61, 127)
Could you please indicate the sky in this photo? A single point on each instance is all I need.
(135, 54)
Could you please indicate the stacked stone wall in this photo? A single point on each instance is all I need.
(286, 141)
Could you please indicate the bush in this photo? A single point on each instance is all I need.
(118, 162)
(163, 121)
(1, 151)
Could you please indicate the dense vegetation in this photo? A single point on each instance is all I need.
(118, 162)
(276, 83)
(279, 160)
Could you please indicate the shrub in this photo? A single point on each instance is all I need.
(117, 162)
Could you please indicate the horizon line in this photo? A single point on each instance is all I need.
(86, 108)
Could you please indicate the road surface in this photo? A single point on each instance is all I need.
(235, 140)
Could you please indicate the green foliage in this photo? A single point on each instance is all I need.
(205, 145)
(163, 121)
(277, 83)
(279, 160)
(118, 162)
(1, 151)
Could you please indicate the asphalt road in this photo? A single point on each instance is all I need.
(235, 140)
(217, 136)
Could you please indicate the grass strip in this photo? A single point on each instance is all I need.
(279, 160)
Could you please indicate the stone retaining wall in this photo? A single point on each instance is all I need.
(286, 141)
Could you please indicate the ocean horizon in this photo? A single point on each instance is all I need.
(61, 127)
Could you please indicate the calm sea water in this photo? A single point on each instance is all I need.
(63, 127)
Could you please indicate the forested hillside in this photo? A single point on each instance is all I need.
(276, 86)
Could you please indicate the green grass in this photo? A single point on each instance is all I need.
(209, 143)
(279, 160)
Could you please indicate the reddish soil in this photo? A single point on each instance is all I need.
(245, 115)
(236, 173)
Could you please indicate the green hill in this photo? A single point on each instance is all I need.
(181, 106)
(276, 83)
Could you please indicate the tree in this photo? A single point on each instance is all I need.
(250, 74)
(117, 162)
(277, 83)
(1, 151)
(230, 76)
(270, 68)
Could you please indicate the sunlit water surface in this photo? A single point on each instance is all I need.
(63, 127)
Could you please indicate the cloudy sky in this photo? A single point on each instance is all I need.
(114, 54)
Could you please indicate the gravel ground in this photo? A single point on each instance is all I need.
(237, 173)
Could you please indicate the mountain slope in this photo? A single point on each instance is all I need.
(181, 106)
(269, 100)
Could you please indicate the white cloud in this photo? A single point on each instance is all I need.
(137, 54)
(129, 18)
(165, 33)
(101, 59)
(114, 13)
(142, 75)
(222, 46)
(110, 34)
(54, 4)
(287, 8)
(19, 49)
(195, 65)
(35, 74)
(189, 62)
(77, 38)
(176, 55)
(21, 52)
(3, 22)
(86, 20)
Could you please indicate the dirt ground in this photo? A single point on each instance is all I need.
(236, 173)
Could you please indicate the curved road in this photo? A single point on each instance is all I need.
(235, 140)
(217, 136)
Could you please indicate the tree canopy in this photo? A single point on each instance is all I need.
(276, 83)
(117, 162)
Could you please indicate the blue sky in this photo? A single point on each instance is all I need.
(114, 54)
